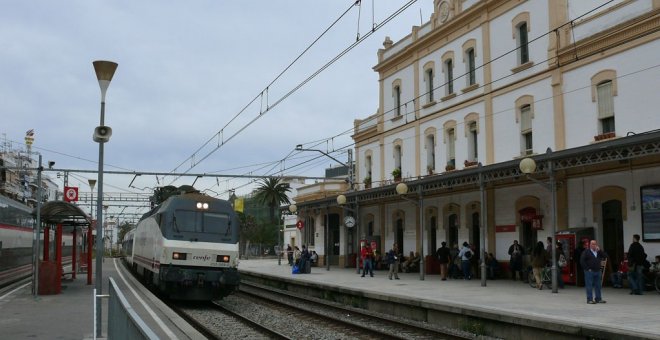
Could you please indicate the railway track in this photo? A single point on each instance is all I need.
(217, 322)
(352, 322)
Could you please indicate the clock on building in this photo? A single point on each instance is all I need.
(349, 221)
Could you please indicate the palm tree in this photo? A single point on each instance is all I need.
(273, 193)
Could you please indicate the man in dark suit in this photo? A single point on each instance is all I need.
(591, 263)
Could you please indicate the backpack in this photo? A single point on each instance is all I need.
(468, 254)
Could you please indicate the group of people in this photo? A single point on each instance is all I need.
(591, 261)
(300, 258)
(451, 259)
(392, 259)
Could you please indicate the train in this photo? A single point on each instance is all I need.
(16, 235)
(186, 247)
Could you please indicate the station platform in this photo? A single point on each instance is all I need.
(70, 315)
(631, 316)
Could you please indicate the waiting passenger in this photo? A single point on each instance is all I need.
(466, 254)
(621, 273)
(314, 258)
(407, 262)
(413, 263)
(492, 266)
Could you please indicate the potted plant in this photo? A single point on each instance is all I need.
(396, 173)
(603, 136)
(429, 169)
(367, 182)
(450, 167)
(468, 163)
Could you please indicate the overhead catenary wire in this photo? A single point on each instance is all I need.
(285, 96)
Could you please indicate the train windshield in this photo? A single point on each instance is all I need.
(201, 222)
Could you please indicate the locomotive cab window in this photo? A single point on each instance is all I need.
(200, 222)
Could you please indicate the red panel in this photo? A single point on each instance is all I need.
(506, 228)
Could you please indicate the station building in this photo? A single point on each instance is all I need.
(465, 97)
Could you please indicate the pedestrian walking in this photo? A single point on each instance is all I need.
(393, 259)
(466, 254)
(443, 258)
(516, 251)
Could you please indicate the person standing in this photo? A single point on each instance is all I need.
(590, 260)
(289, 254)
(636, 257)
(539, 260)
(366, 255)
(562, 262)
(393, 261)
(516, 251)
(466, 254)
(443, 258)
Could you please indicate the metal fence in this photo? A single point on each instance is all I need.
(123, 321)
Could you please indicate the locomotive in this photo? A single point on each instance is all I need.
(186, 246)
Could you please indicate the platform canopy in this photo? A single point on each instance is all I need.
(70, 216)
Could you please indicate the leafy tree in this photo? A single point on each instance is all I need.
(273, 193)
(123, 229)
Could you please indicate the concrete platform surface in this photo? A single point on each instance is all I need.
(70, 315)
(623, 313)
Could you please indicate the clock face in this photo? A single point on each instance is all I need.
(444, 11)
(349, 221)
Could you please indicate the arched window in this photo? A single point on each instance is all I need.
(523, 47)
(526, 140)
(605, 106)
(470, 67)
(430, 153)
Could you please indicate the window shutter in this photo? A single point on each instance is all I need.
(605, 101)
(525, 119)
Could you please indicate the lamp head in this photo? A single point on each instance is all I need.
(341, 199)
(104, 72)
(527, 165)
(51, 164)
(293, 208)
(92, 183)
(402, 188)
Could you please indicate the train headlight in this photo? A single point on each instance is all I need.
(178, 256)
(223, 258)
(201, 205)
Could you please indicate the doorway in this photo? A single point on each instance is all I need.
(399, 234)
(434, 235)
(333, 229)
(452, 230)
(476, 232)
(613, 231)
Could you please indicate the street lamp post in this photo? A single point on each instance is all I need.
(402, 190)
(528, 166)
(341, 200)
(104, 72)
(292, 208)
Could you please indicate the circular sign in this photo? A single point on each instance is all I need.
(349, 221)
(300, 225)
(71, 194)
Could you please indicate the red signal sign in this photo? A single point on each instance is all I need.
(71, 194)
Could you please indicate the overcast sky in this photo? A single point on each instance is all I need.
(185, 69)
